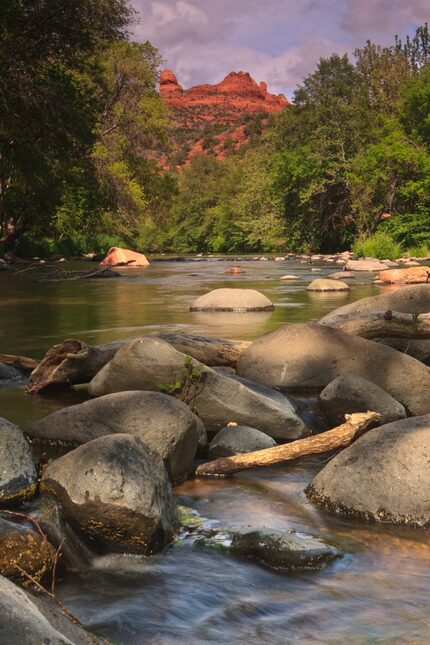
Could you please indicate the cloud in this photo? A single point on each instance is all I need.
(278, 41)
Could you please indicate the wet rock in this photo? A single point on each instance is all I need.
(383, 476)
(4, 266)
(22, 548)
(300, 357)
(232, 300)
(406, 300)
(235, 270)
(342, 275)
(217, 398)
(365, 264)
(9, 374)
(327, 285)
(30, 619)
(115, 490)
(350, 393)
(235, 440)
(413, 275)
(124, 258)
(162, 422)
(18, 476)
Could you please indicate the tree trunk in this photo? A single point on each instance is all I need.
(73, 361)
(388, 324)
(339, 437)
(21, 363)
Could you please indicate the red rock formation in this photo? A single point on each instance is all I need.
(124, 257)
(413, 275)
(216, 118)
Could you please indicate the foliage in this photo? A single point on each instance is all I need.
(380, 245)
(187, 385)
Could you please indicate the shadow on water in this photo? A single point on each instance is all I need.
(377, 593)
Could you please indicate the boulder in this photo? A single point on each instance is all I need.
(115, 490)
(323, 284)
(383, 476)
(149, 363)
(418, 348)
(366, 264)
(407, 300)
(27, 619)
(26, 549)
(124, 257)
(9, 374)
(4, 266)
(350, 393)
(413, 275)
(18, 477)
(342, 275)
(235, 270)
(303, 357)
(232, 300)
(289, 277)
(162, 422)
(235, 440)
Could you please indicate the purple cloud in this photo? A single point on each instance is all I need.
(278, 41)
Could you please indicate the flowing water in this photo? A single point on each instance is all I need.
(377, 593)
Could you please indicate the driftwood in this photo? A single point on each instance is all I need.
(21, 363)
(105, 272)
(387, 324)
(73, 361)
(339, 437)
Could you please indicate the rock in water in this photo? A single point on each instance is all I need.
(148, 363)
(18, 475)
(413, 275)
(26, 549)
(115, 490)
(383, 476)
(300, 357)
(365, 265)
(162, 422)
(27, 619)
(232, 300)
(124, 257)
(350, 393)
(327, 285)
(235, 440)
(9, 374)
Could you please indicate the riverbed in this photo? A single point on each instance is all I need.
(377, 593)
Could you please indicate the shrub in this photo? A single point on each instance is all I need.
(380, 245)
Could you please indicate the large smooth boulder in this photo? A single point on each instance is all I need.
(22, 549)
(27, 619)
(232, 300)
(236, 440)
(366, 264)
(4, 266)
(413, 275)
(383, 476)
(18, 475)
(116, 491)
(9, 374)
(324, 284)
(350, 393)
(303, 357)
(125, 258)
(162, 422)
(407, 300)
(149, 363)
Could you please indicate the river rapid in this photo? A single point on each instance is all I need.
(377, 593)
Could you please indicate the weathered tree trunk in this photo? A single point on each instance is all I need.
(388, 324)
(21, 363)
(339, 437)
(73, 361)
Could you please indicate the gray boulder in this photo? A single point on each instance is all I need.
(18, 475)
(300, 357)
(383, 476)
(27, 619)
(26, 549)
(148, 363)
(366, 264)
(407, 300)
(9, 374)
(350, 393)
(4, 266)
(115, 490)
(235, 440)
(162, 422)
(232, 300)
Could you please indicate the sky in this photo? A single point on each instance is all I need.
(277, 41)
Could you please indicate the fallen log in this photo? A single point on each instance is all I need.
(387, 324)
(73, 361)
(339, 437)
(21, 363)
